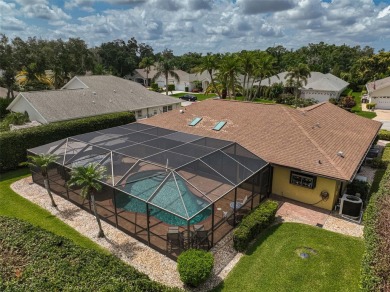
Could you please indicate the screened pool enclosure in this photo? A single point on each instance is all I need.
(169, 189)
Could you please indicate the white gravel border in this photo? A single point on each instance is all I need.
(145, 259)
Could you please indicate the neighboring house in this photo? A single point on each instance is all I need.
(313, 151)
(379, 92)
(186, 79)
(319, 86)
(85, 96)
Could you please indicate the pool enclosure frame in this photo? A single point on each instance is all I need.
(161, 182)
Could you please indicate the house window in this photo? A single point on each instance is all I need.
(303, 180)
(139, 114)
(169, 107)
(155, 112)
(165, 109)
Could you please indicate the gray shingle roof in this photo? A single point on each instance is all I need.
(378, 84)
(105, 94)
(317, 81)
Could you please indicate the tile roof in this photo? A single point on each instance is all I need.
(105, 94)
(378, 84)
(308, 139)
(317, 81)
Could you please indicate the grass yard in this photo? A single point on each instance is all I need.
(357, 109)
(200, 96)
(273, 263)
(14, 205)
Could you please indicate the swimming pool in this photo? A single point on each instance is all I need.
(184, 203)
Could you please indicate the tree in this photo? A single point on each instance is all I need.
(229, 69)
(165, 67)
(42, 162)
(297, 77)
(264, 68)
(248, 60)
(7, 60)
(146, 64)
(209, 63)
(87, 178)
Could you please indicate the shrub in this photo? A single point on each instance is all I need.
(384, 135)
(4, 103)
(195, 266)
(171, 87)
(154, 87)
(370, 105)
(386, 153)
(347, 102)
(360, 187)
(377, 162)
(13, 118)
(39, 260)
(375, 271)
(260, 218)
(332, 100)
(14, 144)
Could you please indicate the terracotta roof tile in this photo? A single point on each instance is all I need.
(306, 139)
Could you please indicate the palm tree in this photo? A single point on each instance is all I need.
(146, 64)
(248, 60)
(42, 162)
(264, 68)
(297, 77)
(87, 177)
(166, 67)
(209, 63)
(228, 71)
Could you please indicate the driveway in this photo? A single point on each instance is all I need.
(384, 117)
(381, 116)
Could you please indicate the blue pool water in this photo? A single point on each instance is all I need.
(144, 184)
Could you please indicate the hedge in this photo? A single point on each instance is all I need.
(14, 144)
(384, 135)
(195, 266)
(376, 260)
(257, 221)
(34, 259)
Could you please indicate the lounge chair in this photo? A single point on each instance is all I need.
(174, 239)
(202, 239)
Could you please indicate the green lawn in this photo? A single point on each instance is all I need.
(14, 205)
(274, 264)
(357, 109)
(200, 96)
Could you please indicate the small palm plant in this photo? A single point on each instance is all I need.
(42, 162)
(87, 178)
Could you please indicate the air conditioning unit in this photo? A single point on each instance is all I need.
(351, 207)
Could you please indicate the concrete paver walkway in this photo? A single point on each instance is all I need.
(293, 211)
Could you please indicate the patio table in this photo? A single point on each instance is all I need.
(238, 205)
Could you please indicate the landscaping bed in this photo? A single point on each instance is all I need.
(34, 259)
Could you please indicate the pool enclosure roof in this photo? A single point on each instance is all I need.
(177, 172)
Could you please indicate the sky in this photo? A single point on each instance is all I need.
(202, 25)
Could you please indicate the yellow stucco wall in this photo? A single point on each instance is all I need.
(281, 186)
